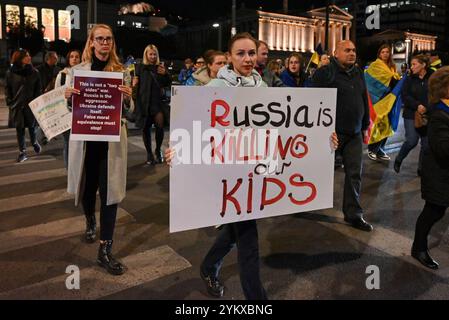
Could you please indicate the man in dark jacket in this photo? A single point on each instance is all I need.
(48, 71)
(352, 121)
(269, 77)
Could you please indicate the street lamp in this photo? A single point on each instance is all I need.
(91, 13)
(217, 25)
(233, 27)
(407, 50)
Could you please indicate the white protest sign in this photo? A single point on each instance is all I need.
(249, 153)
(51, 112)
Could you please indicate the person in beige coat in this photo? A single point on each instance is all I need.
(100, 165)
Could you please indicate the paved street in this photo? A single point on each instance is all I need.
(304, 256)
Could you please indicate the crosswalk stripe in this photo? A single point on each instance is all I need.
(32, 176)
(38, 234)
(30, 151)
(33, 160)
(7, 131)
(137, 141)
(7, 143)
(32, 200)
(96, 283)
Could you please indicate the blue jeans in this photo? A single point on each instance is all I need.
(411, 141)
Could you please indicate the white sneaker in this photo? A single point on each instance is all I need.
(372, 156)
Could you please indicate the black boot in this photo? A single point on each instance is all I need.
(397, 166)
(107, 261)
(91, 229)
(150, 159)
(159, 156)
(424, 258)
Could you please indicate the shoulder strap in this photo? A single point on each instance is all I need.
(63, 78)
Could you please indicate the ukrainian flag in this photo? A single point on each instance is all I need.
(385, 106)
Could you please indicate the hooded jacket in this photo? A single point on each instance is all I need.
(227, 77)
(199, 78)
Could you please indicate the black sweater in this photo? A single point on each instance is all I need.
(414, 93)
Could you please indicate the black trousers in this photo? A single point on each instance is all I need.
(350, 148)
(21, 137)
(430, 215)
(96, 168)
(244, 235)
(146, 135)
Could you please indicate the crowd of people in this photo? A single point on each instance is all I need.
(101, 166)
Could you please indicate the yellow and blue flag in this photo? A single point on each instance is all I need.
(385, 105)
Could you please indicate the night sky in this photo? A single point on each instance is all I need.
(207, 9)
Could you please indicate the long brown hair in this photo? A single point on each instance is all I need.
(439, 85)
(67, 58)
(18, 56)
(114, 61)
(390, 62)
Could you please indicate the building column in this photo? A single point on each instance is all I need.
(297, 37)
(323, 35)
(272, 35)
(261, 34)
(311, 37)
(340, 32)
(332, 37)
(291, 37)
(285, 36)
(318, 31)
(278, 35)
(348, 35)
(302, 38)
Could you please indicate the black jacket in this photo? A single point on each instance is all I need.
(435, 166)
(352, 100)
(414, 93)
(148, 94)
(48, 76)
(22, 86)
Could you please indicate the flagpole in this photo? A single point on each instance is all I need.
(308, 65)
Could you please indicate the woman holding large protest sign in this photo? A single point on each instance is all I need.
(243, 234)
(100, 165)
(22, 86)
(240, 73)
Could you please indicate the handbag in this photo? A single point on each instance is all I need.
(421, 120)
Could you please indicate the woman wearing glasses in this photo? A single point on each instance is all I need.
(97, 165)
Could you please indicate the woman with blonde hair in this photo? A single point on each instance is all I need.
(150, 84)
(100, 165)
(435, 167)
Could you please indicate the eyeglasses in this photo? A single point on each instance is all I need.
(200, 62)
(103, 39)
